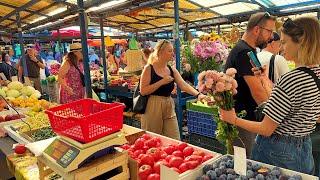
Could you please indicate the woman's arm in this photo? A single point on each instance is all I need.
(63, 72)
(265, 128)
(182, 84)
(145, 87)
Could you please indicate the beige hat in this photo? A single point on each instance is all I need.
(75, 47)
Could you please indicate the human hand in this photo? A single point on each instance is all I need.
(228, 116)
(202, 97)
(167, 79)
(259, 71)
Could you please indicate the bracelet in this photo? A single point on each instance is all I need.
(198, 95)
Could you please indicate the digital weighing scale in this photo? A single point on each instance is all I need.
(65, 154)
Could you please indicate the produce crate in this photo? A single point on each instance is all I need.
(193, 106)
(207, 143)
(283, 171)
(201, 123)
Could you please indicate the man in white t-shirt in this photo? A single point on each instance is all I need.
(280, 63)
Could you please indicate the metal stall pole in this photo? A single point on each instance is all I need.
(104, 61)
(219, 29)
(59, 44)
(23, 57)
(177, 48)
(83, 30)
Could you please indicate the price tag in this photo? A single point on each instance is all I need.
(240, 160)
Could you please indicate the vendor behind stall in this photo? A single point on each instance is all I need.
(133, 58)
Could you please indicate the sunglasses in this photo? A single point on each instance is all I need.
(163, 42)
(266, 15)
(289, 24)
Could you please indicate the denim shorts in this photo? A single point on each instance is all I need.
(285, 151)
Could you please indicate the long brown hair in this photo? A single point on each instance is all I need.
(72, 58)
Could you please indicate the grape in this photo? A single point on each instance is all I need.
(250, 174)
(206, 168)
(259, 177)
(212, 174)
(231, 171)
(223, 177)
(256, 167)
(218, 171)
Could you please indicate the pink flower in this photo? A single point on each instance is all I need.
(201, 76)
(220, 87)
(201, 87)
(234, 91)
(234, 84)
(228, 86)
(231, 72)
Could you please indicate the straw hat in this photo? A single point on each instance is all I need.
(75, 47)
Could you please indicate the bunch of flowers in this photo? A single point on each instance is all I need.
(54, 68)
(222, 87)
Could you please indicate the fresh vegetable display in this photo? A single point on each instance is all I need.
(150, 154)
(43, 133)
(35, 120)
(223, 169)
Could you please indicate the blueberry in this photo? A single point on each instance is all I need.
(250, 174)
(218, 171)
(275, 173)
(259, 177)
(223, 177)
(212, 174)
(256, 167)
(231, 171)
(297, 177)
(206, 168)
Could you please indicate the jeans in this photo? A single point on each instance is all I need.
(285, 151)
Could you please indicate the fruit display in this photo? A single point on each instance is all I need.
(43, 133)
(150, 153)
(131, 81)
(223, 169)
(35, 120)
(34, 104)
(16, 89)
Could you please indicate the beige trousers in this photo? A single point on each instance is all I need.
(160, 117)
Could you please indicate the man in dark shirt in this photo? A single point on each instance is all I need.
(251, 92)
(33, 63)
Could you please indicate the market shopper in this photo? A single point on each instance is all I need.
(33, 63)
(69, 77)
(292, 110)
(6, 66)
(157, 81)
(270, 57)
(251, 92)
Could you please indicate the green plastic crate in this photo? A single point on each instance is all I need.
(191, 105)
(211, 144)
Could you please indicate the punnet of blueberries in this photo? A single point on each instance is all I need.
(223, 170)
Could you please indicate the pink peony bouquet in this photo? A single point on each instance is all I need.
(222, 87)
(54, 68)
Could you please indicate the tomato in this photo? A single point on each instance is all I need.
(169, 150)
(147, 159)
(175, 147)
(182, 145)
(199, 153)
(125, 146)
(154, 177)
(163, 155)
(188, 151)
(178, 153)
(139, 143)
(192, 164)
(151, 143)
(131, 154)
(144, 172)
(175, 162)
(155, 153)
(169, 157)
(20, 149)
(156, 166)
(138, 152)
(145, 148)
(207, 157)
(175, 169)
(146, 136)
(194, 158)
(158, 144)
(183, 167)
(140, 156)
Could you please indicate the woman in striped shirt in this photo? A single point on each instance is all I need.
(293, 108)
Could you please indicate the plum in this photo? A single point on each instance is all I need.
(230, 164)
(250, 174)
(223, 177)
(231, 171)
(218, 171)
(260, 177)
(206, 168)
(212, 174)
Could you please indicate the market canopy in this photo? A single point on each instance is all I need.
(141, 15)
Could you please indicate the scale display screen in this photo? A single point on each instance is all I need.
(62, 152)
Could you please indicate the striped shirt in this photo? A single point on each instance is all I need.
(294, 103)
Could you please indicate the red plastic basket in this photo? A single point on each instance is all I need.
(86, 120)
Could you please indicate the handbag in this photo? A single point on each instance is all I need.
(139, 101)
(258, 112)
(81, 74)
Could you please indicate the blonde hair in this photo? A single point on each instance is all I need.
(309, 39)
(159, 46)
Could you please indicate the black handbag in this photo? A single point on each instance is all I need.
(139, 101)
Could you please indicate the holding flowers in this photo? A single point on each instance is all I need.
(221, 87)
